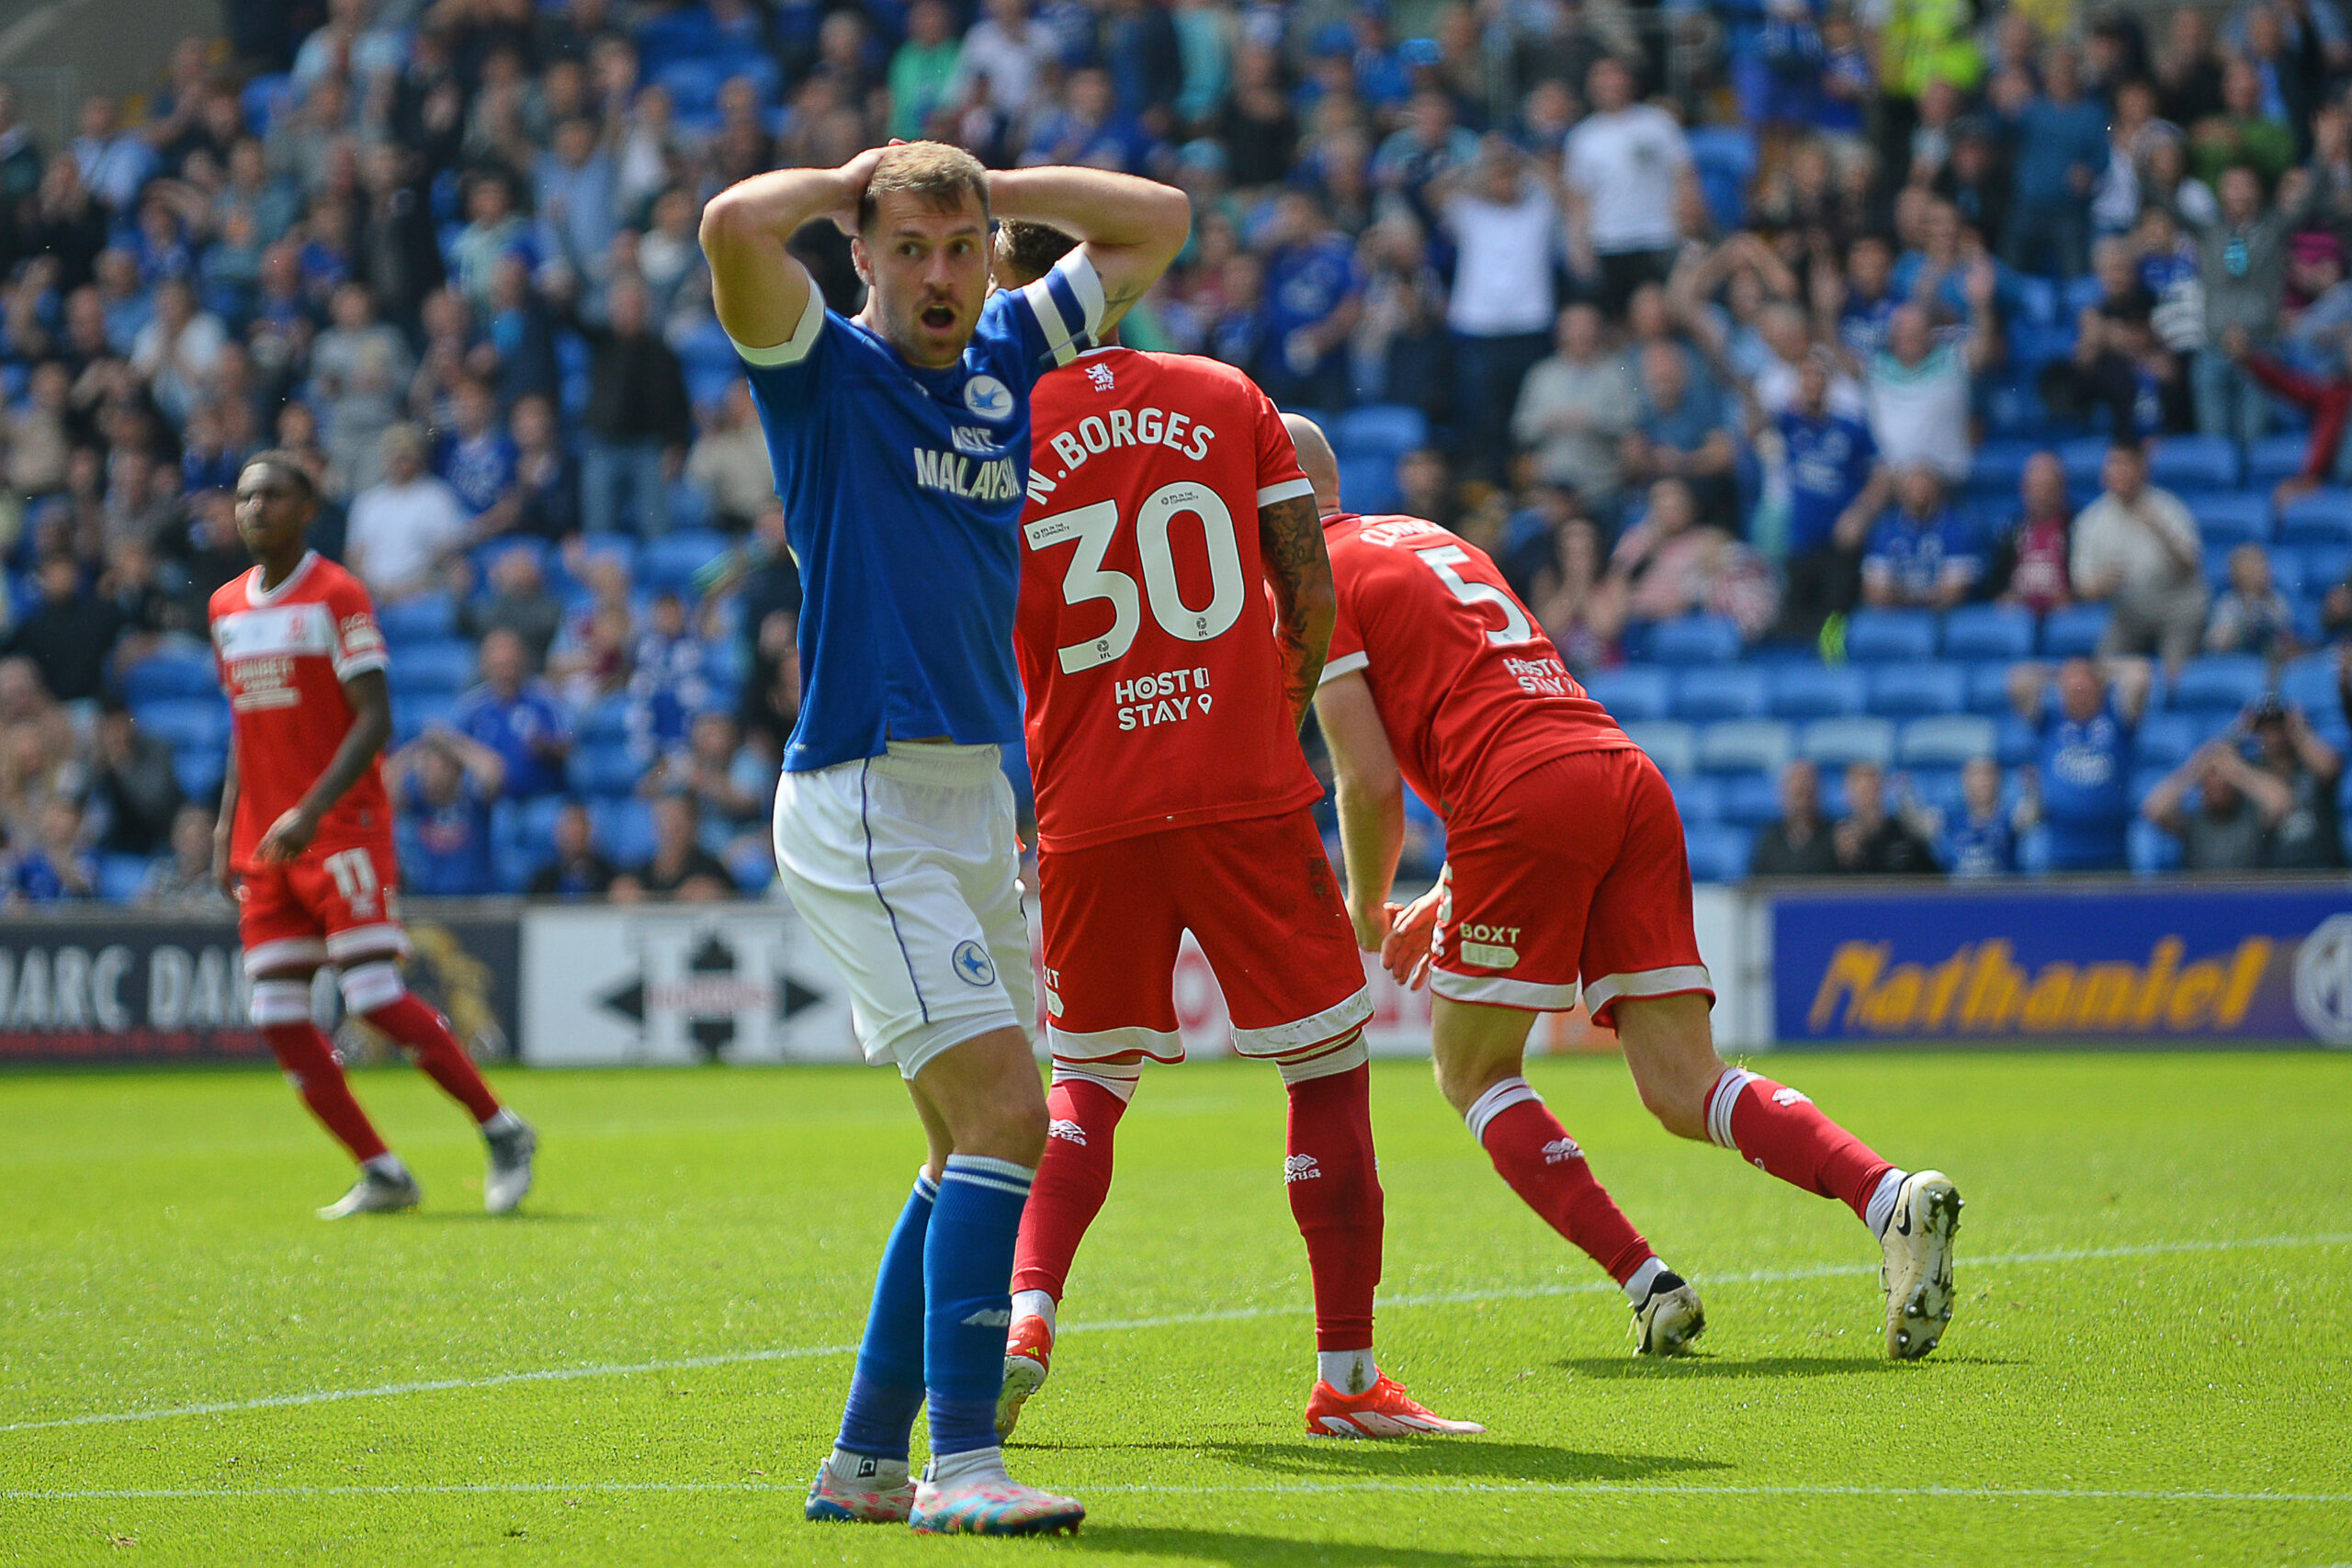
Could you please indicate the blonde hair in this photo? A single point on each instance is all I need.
(934, 174)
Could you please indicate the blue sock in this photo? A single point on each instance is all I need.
(886, 1388)
(967, 1278)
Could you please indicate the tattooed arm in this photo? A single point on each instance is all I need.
(1131, 228)
(1290, 541)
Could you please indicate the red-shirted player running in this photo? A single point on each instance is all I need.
(1164, 501)
(305, 840)
(1565, 860)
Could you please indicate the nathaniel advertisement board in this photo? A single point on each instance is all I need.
(2181, 964)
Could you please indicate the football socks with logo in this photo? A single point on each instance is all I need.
(424, 1034)
(1073, 1179)
(1534, 1153)
(886, 1388)
(966, 1269)
(1334, 1190)
(1783, 1133)
(308, 1063)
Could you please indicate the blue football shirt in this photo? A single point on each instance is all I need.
(902, 492)
(2085, 788)
(1829, 461)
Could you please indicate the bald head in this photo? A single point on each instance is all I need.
(1316, 460)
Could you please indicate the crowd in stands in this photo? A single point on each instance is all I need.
(1925, 423)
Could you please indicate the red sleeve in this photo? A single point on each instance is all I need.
(1347, 652)
(359, 640)
(1279, 476)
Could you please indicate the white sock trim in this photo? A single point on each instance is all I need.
(281, 1002)
(1720, 1101)
(1637, 1287)
(972, 1464)
(369, 986)
(1345, 1058)
(866, 1472)
(1349, 1371)
(1495, 1101)
(1880, 1212)
(1118, 1078)
(1034, 1303)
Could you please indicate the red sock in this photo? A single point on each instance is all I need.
(1335, 1196)
(1534, 1153)
(1072, 1179)
(309, 1063)
(1783, 1133)
(425, 1033)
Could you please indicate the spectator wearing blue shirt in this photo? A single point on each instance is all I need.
(2083, 773)
(1313, 295)
(56, 869)
(1978, 840)
(1922, 554)
(578, 208)
(478, 459)
(1837, 485)
(1683, 435)
(442, 786)
(1861, 303)
(1090, 129)
(2060, 150)
(516, 716)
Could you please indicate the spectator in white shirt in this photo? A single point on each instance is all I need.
(2137, 548)
(1624, 167)
(115, 162)
(177, 348)
(1918, 388)
(1506, 230)
(402, 528)
(1575, 408)
(1010, 50)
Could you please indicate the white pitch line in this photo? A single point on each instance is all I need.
(1260, 1489)
(1173, 1320)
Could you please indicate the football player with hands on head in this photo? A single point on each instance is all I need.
(900, 445)
(1165, 503)
(1564, 863)
(304, 841)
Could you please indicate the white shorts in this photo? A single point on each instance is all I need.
(906, 867)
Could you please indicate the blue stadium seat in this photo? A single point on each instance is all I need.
(1998, 466)
(1815, 690)
(428, 617)
(2149, 850)
(1937, 788)
(671, 560)
(2324, 565)
(1907, 691)
(693, 84)
(169, 673)
(608, 721)
(2275, 458)
(1947, 741)
(752, 865)
(1751, 800)
(2231, 518)
(1834, 742)
(444, 667)
(2322, 517)
(2221, 683)
(1697, 797)
(487, 556)
(1988, 688)
(2310, 684)
(1723, 158)
(2194, 462)
(121, 876)
(1380, 430)
(1877, 636)
(624, 830)
(2165, 740)
(1718, 853)
(1368, 485)
(200, 772)
(2083, 456)
(1634, 694)
(604, 769)
(1695, 640)
(1988, 631)
(1673, 747)
(264, 98)
(186, 723)
(1701, 694)
(414, 713)
(2074, 632)
(1745, 746)
(2038, 300)
(2015, 741)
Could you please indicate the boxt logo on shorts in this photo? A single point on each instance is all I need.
(1490, 947)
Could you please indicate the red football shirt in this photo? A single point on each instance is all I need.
(1154, 684)
(283, 657)
(1470, 689)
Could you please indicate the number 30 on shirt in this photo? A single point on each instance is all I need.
(1095, 526)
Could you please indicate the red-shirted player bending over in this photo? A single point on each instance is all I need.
(1163, 719)
(1564, 858)
(305, 840)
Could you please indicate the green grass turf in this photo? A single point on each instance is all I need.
(156, 1251)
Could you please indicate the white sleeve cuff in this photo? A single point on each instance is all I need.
(1346, 664)
(1286, 490)
(794, 349)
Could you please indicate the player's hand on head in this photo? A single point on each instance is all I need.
(855, 175)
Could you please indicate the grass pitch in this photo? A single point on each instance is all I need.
(2148, 1364)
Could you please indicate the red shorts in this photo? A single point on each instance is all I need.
(1257, 895)
(335, 905)
(1575, 868)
